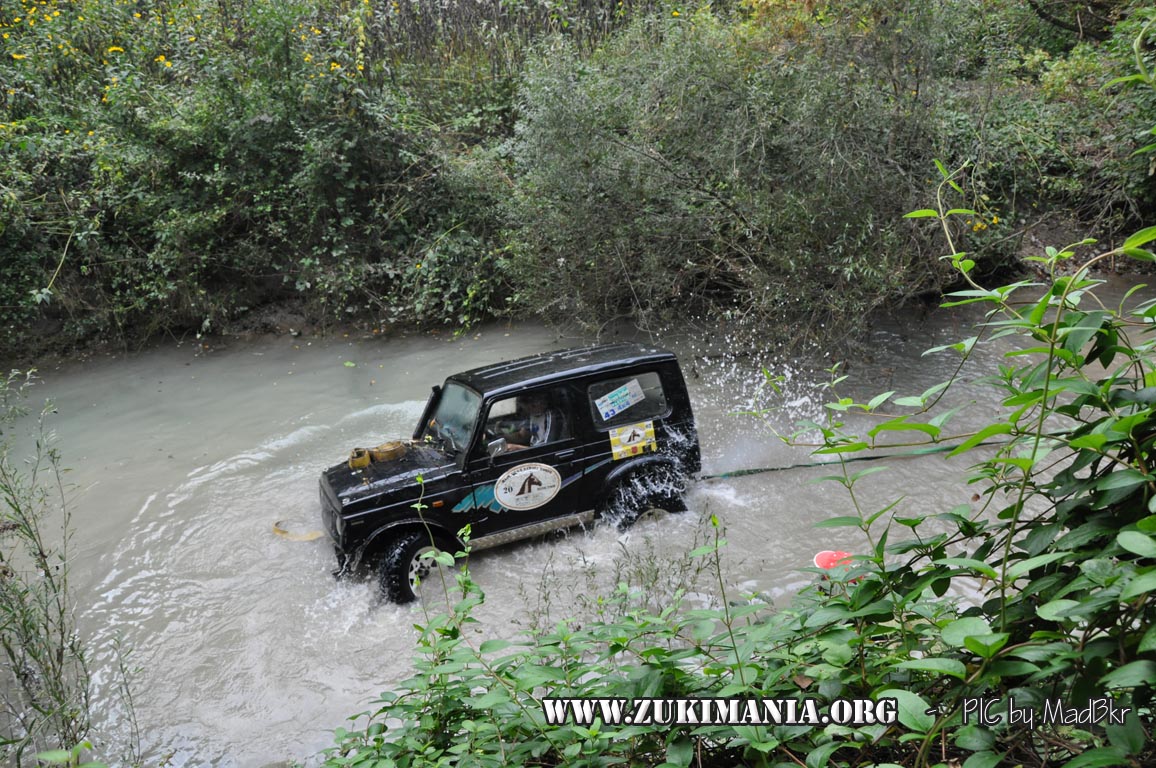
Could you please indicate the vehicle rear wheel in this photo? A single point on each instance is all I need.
(408, 563)
(639, 494)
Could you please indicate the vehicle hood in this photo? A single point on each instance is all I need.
(394, 479)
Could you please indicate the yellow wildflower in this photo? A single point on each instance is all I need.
(19, 56)
(995, 219)
(115, 49)
(160, 58)
(136, 15)
(334, 65)
(674, 13)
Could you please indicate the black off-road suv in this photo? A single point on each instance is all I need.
(515, 450)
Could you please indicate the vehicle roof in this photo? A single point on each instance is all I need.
(562, 365)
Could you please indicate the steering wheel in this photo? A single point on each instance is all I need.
(448, 436)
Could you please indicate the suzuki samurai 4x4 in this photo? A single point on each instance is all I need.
(515, 450)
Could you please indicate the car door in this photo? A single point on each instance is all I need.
(531, 482)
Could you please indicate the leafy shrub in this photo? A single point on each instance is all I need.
(43, 668)
(182, 164)
(168, 167)
(1053, 137)
(689, 164)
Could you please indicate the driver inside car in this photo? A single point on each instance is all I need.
(539, 423)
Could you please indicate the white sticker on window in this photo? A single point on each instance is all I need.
(615, 402)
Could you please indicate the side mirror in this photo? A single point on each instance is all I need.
(496, 447)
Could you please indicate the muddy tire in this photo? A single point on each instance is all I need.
(637, 494)
(407, 563)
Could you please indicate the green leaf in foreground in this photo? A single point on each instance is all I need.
(1132, 675)
(957, 632)
(1137, 543)
(952, 667)
(912, 709)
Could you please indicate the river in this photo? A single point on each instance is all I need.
(245, 651)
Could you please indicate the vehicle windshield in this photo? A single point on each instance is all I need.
(453, 421)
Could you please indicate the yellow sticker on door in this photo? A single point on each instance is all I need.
(632, 440)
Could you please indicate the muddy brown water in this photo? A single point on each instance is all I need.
(246, 651)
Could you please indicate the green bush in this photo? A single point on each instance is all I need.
(690, 163)
(1046, 137)
(170, 168)
(44, 676)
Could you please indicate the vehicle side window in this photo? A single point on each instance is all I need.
(626, 400)
(529, 419)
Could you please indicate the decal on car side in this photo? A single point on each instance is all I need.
(488, 496)
(632, 440)
(527, 486)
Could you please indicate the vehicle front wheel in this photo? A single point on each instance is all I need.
(408, 563)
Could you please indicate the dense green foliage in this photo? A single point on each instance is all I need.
(172, 167)
(1040, 591)
(685, 163)
(182, 163)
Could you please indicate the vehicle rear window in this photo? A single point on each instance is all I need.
(626, 400)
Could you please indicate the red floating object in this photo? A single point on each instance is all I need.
(829, 558)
